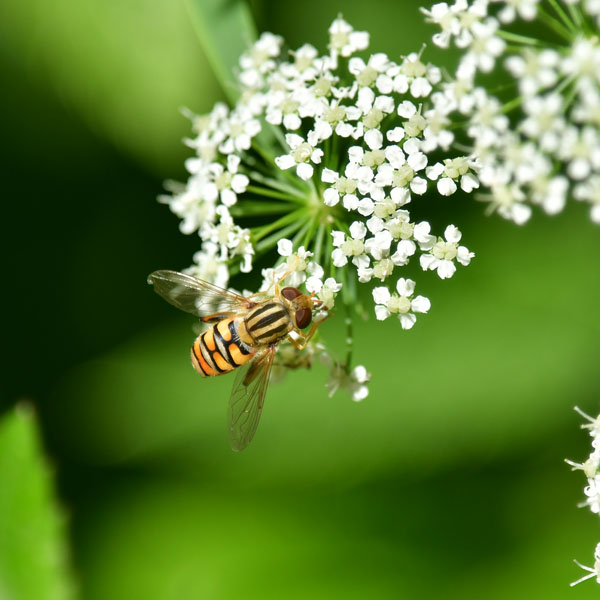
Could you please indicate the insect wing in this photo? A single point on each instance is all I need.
(195, 295)
(248, 397)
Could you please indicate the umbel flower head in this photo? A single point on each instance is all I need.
(591, 470)
(527, 85)
(314, 171)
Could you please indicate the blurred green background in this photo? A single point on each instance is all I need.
(447, 482)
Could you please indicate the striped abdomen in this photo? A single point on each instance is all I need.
(219, 349)
(268, 322)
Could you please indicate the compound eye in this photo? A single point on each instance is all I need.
(303, 317)
(290, 293)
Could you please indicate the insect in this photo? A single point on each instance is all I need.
(243, 335)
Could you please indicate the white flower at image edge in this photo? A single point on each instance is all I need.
(402, 304)
(592, 571)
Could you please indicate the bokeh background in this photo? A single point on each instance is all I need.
(447, 482)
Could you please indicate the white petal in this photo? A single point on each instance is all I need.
(338, 238)
(293, 140)
(375, 224)
(233, 162)
(228, 198)
(452, 234)
(385, 104)
(304, 171)
(239, 182)
(420, 304)
(359, 374)
(313, 284)
(316, 156)
(381, 312)
(358, 230)
(292, 121)
(428, 262)
(434, 171)
(417, 160)
(446, 186)
(284, 247)
(407, 320)
(285, 161)
(344, 129)
(463, 256)
(350, 202)
(405, 287)
(355, 154)
(329, 176)
(330, 197)
(418, 185)
(381, 295)
(396, 134)
(407, 109)
(445, 269)
(315, 269)
(469, 182)
(400, 196)
(339, 258)
(374, 139)
(366, 206)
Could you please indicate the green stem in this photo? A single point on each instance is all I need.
(301, 233)
(555, 25)
(564, 84)
(519, 39)
(260, 232)
(263, 191)
(280, 137)
(319, 243)
(331, 268)
(342, 226)
(563, 16)
(568, 98)
(349, 341)
(278, 185)
(514, 103)
(250, 207)
(271, 241)
(578, 18)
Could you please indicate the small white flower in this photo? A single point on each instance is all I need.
(592, 571)
(354, 382)
(301, 153)
(444, 252)
(344, 40)
(401, 304)
(325, 291)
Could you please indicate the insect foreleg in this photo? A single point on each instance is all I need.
(303, 340)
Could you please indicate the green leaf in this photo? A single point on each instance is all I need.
(33, 555)
(226, 30)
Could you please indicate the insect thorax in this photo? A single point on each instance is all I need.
(268, 322)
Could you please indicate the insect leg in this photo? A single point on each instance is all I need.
(305, 338)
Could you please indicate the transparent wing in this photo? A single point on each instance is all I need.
(248, 397)
(195, 295)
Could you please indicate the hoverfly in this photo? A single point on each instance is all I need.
(244, 335)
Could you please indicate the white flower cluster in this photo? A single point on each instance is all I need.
(319, 160)
(591, 469)
(536, 142)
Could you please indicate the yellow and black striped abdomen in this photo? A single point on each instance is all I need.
(219, 350)
(268, 322)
